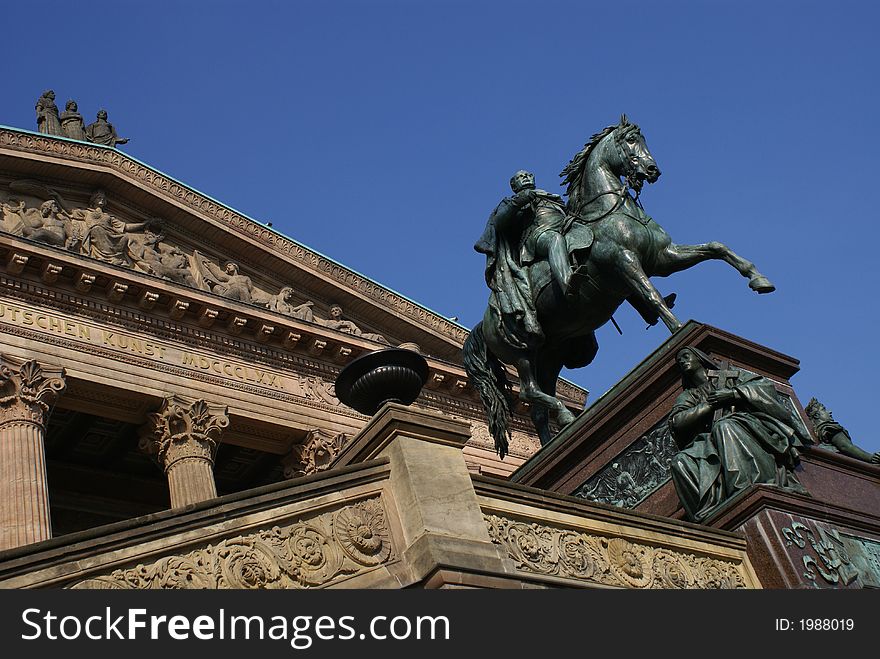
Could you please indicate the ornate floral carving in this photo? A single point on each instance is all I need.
(832, 561)
(362, 534)
(308, 554)
(28, 389)
(316, 454)
(184, 428)
(609, 561)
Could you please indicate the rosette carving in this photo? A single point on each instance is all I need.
(247, 563)
(629, 562)
(182, 429)
(313, 556)
(308, 554)
(28, 390)
(545, 550)
(362, 534)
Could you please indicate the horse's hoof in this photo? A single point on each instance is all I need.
(761, 284)
(564, 418)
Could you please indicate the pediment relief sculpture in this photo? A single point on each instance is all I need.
(37, 212)
(284, 303)
(227, 282)
(337, 322)
(161, 259)
(105, 237)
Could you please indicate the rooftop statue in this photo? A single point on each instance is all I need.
(835, 435)
(48, 121)
(72, 122)
(103, 132)
(548, 296)
(733, 432)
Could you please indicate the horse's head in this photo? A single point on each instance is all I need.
(619, 151)
(633, 160)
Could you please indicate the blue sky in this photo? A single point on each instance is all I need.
(383, 133)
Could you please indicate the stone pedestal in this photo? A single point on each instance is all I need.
(445, 536)
(184, 435)
(619, 450)
(801, 542)
(28, 391)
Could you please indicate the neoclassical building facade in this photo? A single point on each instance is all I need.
(126, 297)
(168, 417)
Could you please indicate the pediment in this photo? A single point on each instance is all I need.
(154, 225)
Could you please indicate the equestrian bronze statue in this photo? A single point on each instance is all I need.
(558, 270)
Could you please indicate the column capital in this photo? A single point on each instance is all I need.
(28, 389)
(184, 428)
(315, 454)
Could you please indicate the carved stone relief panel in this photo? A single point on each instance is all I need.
(522, 445)
(572, 554)
(635, 473)
(169, 188)
(312, 553)
(37, 212)
(827, 555)
(865, 556)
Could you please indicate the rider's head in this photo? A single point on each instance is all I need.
(522, 180)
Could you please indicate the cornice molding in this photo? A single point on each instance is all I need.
(161, 184)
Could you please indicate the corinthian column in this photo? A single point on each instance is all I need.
(27, 392)
(184, 435)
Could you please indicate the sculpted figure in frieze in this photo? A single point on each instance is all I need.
(732, 432)
(48, 121)
(52, 225)
(285, 303)
(45, 221)
(103, 132)
(155, 257)
(834, 435)
(46, 224)
(337, 322)
(72, 122)
(106, 237)
(228, 282)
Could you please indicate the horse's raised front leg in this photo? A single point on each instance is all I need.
(676, 258)
(630, 268)
(530, 392)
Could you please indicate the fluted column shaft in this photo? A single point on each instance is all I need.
(183, 436)
(27, 391)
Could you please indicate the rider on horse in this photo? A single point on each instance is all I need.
(523, 229)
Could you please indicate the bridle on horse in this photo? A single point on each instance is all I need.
(631, 180)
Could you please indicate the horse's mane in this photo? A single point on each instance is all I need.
(571, 175)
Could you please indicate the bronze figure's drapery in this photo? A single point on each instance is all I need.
(733, 432)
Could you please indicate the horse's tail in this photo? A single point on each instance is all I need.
(487, 374)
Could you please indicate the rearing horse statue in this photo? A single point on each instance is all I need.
(614, 248)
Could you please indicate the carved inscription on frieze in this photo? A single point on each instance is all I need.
(573, 554)
(121, 343)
